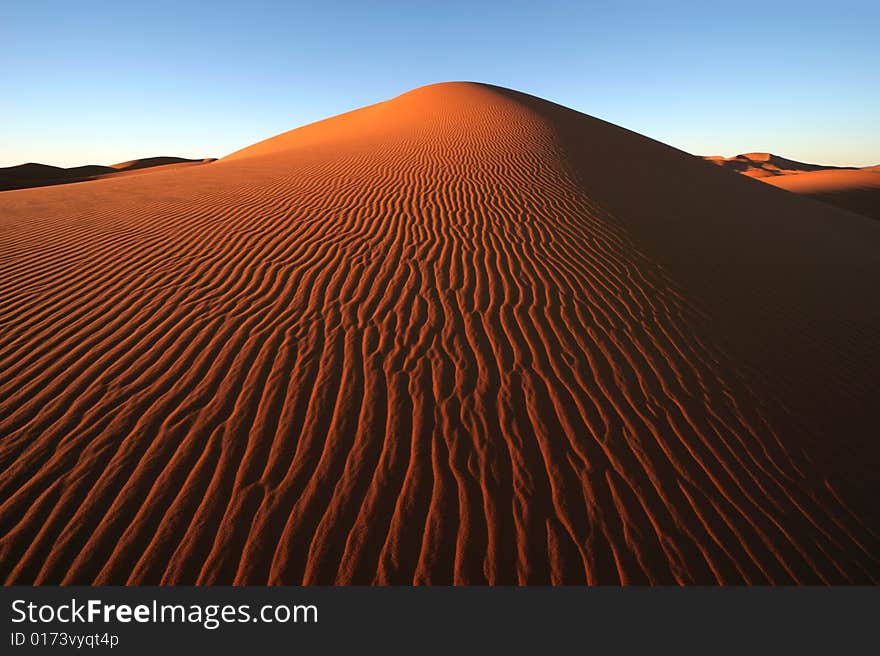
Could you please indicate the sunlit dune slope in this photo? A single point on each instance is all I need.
(461, 336)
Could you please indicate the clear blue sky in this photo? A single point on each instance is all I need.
(102, 82)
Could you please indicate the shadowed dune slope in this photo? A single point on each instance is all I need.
(461, 336)
(25, 176)
(855, 190)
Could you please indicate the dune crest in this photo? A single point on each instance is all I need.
(461, 336)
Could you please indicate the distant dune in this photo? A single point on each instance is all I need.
(763, 165)
(463, 336)
(857, 191)
(25, 176)
(849, 188)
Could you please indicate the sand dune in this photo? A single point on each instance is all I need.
(461, 336)
(766, 165)
(856, 190)
(853, 189)
(25, 176)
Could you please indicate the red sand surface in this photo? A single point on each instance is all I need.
(461, 336)
(853, 189)
(856, 190)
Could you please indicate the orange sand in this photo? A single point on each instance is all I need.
(461, 336)
(765, 165)
(857, 190)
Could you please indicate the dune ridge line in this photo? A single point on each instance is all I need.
(463, 336)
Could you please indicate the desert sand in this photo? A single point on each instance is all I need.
(766, 165)
(855, 190)
(849, 188)
(30, 175)
(463, 336)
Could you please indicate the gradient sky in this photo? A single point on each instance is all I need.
(103, 82)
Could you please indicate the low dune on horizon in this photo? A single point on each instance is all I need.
(26, 176)
(850, 188)
(855, 190)
(462, 336)
(767, 165)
